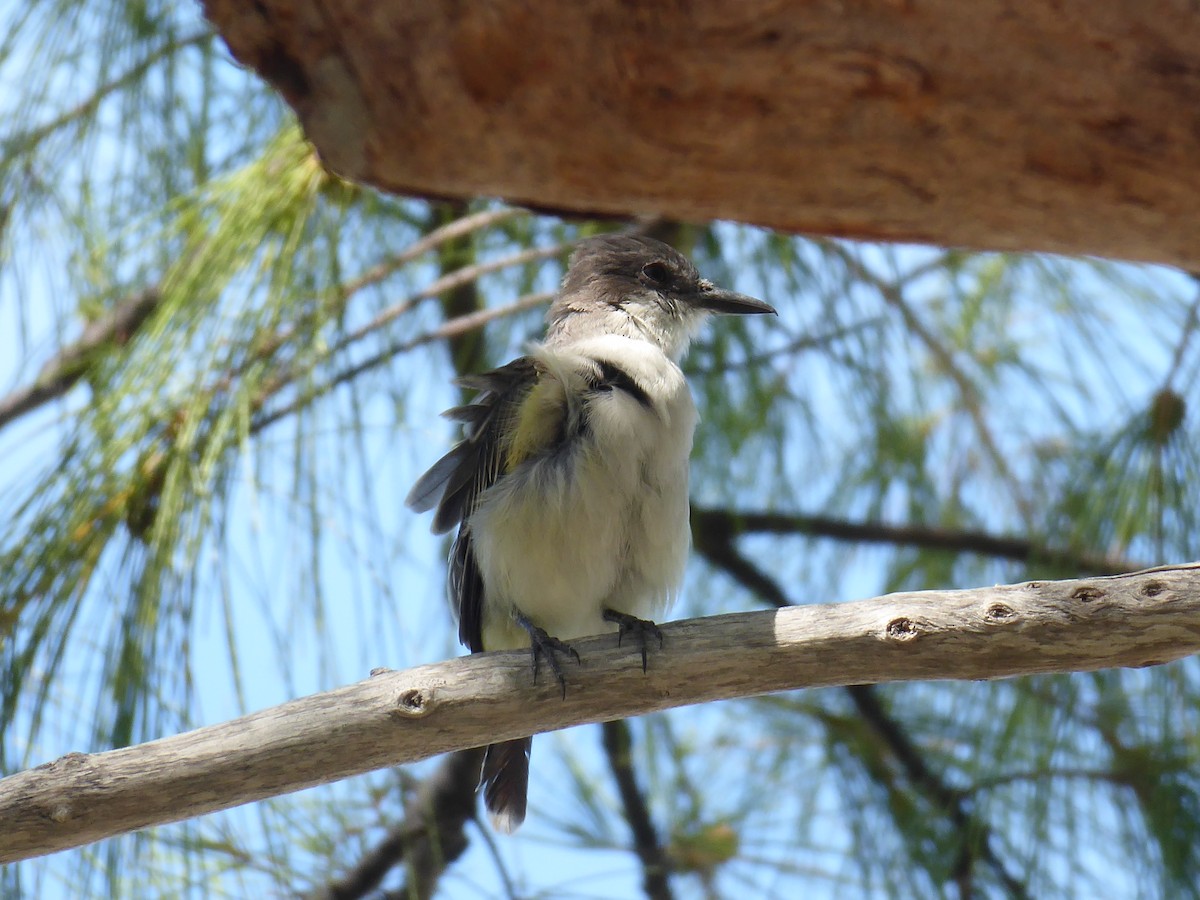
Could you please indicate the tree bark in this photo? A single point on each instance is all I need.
(1071, 127)
(1141, 619)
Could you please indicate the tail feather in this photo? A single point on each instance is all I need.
(505, 783)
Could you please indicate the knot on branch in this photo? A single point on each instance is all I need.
(413, 704)
(1087, 594)
(902, 629)
(999, 614)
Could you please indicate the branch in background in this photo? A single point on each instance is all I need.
(26, 142)
(813, 341)
(655, 866)
(451, 231)
(446, 329)
(449, 329)
(974, 835)
(64, 370)
(714, 527)
(431, 836)
(1141, 619)
(447, 282)
(467, 351)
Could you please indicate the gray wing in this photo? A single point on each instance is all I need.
(453, 484)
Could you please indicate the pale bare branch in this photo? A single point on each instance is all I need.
(1141, 619)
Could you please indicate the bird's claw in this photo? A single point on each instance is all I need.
(545, 645)
(627, 624)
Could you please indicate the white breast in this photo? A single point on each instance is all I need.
(604, 522)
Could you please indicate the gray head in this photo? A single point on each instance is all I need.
(642, 288)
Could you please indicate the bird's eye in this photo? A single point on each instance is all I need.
(656, 273)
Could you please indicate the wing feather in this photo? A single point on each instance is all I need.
(453, 484)
(427, 492)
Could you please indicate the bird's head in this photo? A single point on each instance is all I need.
(642, 288)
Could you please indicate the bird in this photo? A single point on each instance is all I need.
(569, 488)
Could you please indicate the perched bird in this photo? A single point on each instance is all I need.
(570, 486)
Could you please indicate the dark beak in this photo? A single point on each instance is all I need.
(730, 303)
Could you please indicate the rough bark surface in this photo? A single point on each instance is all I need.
(1141, 619)
(1071, 126)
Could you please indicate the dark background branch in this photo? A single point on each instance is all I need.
(431, 836)
(712, 528)
(976, 840)
(655, 865)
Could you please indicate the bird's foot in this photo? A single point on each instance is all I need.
(643, 628)
(544, 645)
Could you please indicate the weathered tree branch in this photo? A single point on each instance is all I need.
(1068, 127)
(1145, 618)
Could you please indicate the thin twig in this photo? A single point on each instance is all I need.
(893, 295)
(30, 139)
(451, 231)
(451, 328)
(1189, 329)
(974, 834)
(59, 374)
(798, 345)
(448, 282)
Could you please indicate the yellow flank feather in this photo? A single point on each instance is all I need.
(539, 422)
